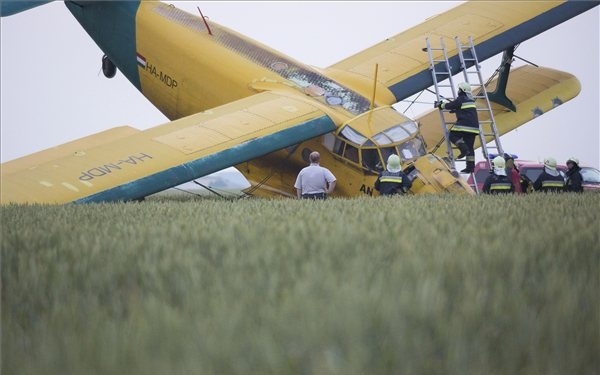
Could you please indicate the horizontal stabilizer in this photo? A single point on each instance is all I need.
(10, 7)
(533, 90)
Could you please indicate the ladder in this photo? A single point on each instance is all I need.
(441, 70)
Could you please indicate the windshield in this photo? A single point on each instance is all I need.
(412, 149)
(372, 151)
(590, 175)
(353, 136)
(396, 133)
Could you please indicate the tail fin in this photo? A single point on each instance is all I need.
(10, 7)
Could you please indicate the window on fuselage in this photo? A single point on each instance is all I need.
(371, 159)
(338, 146)
(351, 153)
(385, 154)
(412, 149)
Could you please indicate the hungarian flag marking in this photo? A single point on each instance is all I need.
(141, 60)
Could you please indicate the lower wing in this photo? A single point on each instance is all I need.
(129, 165)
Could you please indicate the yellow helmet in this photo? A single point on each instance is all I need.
(465, 87)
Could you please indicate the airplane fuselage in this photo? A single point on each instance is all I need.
(185, 65)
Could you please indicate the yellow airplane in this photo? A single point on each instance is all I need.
(235, 102)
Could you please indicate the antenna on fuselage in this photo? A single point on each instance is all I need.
(373, 97)
(205, 23)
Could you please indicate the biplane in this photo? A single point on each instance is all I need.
(233, 101)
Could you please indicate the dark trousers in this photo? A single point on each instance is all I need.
(314, 196)
(469, 140)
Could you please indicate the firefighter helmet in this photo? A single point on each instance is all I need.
(573, 160)
(550, 163)
(499, 162)
(393, 163)
(465, 87)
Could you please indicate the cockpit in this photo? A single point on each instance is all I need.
(369, 139)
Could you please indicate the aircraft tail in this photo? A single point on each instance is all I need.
(10, 7)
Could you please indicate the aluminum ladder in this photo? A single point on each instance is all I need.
(441, 70)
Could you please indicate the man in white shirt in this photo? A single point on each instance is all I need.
(314, 181)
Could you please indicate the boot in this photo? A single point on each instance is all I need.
(464, 150)
(470, 167)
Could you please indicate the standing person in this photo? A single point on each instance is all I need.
(549, 180)
(574, 180)
(314, 181)
(512, 172)
(393, 181)
(498, 182)
(466, 128)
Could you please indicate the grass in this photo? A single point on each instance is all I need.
(415, 285)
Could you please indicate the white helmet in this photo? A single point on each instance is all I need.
(465, 87)
(499, 162)
(393, 163)
(573, 160)
(550, 163)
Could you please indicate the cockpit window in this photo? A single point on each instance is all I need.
(370, 159)
(412, 149)
(391, 135)
(351, 153)
(353, 136)
(386, 152)
(411, 126)
(372, 151)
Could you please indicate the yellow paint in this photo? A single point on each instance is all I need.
(218, 99)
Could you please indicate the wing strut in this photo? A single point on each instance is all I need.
(499, 94)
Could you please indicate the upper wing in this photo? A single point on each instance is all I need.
(493, 25)
(140, 164)
(533, 90)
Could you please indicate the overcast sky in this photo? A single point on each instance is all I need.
(53, 91)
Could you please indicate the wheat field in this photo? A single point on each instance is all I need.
(414, 285)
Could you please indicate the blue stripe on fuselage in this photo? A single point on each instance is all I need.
(497, 44)
(215, 162)
(111, 24)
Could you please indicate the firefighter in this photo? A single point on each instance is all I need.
(573, 180)
(512, 172)
(549, 180)
(498, 182)
(393, 181)
(466, 128)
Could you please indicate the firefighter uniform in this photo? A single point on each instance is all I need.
(549, 180)
(393, 181)
(466, 128)
(498, 182)
(574, 180)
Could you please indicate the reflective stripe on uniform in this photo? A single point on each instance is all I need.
(552, 184)
(397, 179)
(466, 129)
(468, 105)
(501, 186)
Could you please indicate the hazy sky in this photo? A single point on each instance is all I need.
(53, 90)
